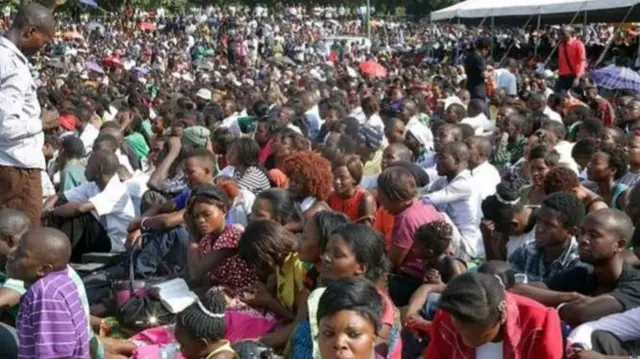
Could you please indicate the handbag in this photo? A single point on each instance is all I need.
(136, 308)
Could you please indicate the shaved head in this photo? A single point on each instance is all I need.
(35, 15)
(41, 250)
(616, 221)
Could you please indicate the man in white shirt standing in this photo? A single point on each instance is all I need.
(96, 215)
(21, 136)
(485, 176)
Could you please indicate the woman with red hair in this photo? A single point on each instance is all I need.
(310, 180)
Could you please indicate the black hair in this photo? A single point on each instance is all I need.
(222, 137)
(247, 151)
(73, 147)
(107, 161)
(483, 144)
(250, 349)
(53, 140)
(621, 223)
(435, 235)
(466, 130)
(283, 205)
(208, 323)
(592, 125)
(473, 298)
(586, 147)
(618, 161)
(353, 165)
(560, 178)
(352, 294)
(502, 206)
(556, 127)
(350, 127)
(13, 222)
(458, 150)
(568, 206)
(346, 144)
(202, 154)
(327, 222)
(501, 269)
(105, 142)
(209, 193)
(368, 247)
(397, 184)
(419, 174)
(264, 244)
(550, 157)
(458, 109)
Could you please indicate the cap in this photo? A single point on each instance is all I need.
(204, 94)
(68, 122)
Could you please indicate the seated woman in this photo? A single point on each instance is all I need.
(212, 257)
(348, 306)
(243, 154)
(508, 224)
(277, 205)
(348, 197)
(272, 250)
(200, 329)
(478, 318)
(310, 181)
(540, 161)
(353, 250)
(564, 179)
(71, 161)
(606, 167)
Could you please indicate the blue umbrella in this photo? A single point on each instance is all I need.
(616, 78)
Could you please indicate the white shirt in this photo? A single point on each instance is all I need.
(490, 351)
(479, 123)
(554, 116)
(114, 208)
(232, 124)
(21, 136)
(241, 209)
(136, 187)
(88, 137)
(486, 177)
(507, 81)
(124, 161)
(564, 149)
(460, 199)
(516, 242)
(625, 326)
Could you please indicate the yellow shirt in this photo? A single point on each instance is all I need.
(373, 167)
(290, 280)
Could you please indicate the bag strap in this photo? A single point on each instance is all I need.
(566, 56)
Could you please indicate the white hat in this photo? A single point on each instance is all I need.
(204, 94)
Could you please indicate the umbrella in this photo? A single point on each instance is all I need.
(616, 78)
(89, 3)
(112, 62)
(281, 60)
(373, 69)
(147, 26)
(93, 66)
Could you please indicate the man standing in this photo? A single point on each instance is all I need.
(21, 136)
(475, 67)
(506, 78)
(572, 60)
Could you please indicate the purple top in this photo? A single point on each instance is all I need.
(52, 322)
(405, 225)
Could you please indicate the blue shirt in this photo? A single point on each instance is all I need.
(181, 201)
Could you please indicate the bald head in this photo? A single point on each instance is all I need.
(32, 28)
(41, 250)
(458, 150)
(615, 221)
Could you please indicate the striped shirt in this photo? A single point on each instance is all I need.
(254, 179)
(52, 322)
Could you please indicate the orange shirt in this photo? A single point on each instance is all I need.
(572, 58)
(384, 225)
(349, 206)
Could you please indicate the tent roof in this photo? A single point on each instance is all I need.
(474, 9)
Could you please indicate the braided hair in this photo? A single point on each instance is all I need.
(205, 318)
(435, 235)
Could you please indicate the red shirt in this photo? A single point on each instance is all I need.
(532, 331)
(350, 206)
(572, 58)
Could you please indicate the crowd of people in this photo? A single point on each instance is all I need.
(323, 194)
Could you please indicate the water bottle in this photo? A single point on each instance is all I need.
(170, 351)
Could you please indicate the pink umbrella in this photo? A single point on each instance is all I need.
(373, 69)
(147, 26)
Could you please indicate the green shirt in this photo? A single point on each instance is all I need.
(72, 175)
(14, 285)
(139, 144)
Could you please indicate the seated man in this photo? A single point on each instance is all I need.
(555, 249)
(96, 214)
(611, 286)
(52, 322)
(454, 194)
(166, 220)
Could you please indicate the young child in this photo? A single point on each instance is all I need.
(200, 329)
(52, 322)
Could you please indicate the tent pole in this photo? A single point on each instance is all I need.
(610, 41)
(511, 45)
(536, 40)
(553, 51)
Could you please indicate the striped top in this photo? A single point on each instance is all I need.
(52, 322)
(254, 179)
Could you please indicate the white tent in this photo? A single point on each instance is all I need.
(473, 9)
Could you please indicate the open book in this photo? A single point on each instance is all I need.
(175, 295)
